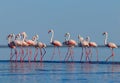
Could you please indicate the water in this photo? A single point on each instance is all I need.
(61, 72)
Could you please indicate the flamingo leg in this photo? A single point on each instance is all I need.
(59, 53)
(72, 52)
(30, 54)
(41, 57)
(90, 52)
(44, 53)
(53, 53)
(11, 55)
(97, 54)
(22, 54)
(16, 53)
(81, 54)
(36, 53)
(26, 53)
(40, 54)
(67, 53)
(87, 54)
(110, 55)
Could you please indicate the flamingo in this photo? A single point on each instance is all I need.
(110, 45)
(70, 43)
(56, 43)
(41, 46)
(28, 43)
(92, 44)
(18, 42)
(11, 44)
(84, 44)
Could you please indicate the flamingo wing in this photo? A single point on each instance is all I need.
(56, 43)
(72, 42)
(93, 44)
(112, 45)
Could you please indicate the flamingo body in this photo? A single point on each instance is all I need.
(41, 45)
(12, 45)
(72, 42)
(112, 45)
(92, 44)
(56, 43)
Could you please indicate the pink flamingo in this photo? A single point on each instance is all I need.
(11, 44)
(18, 43)
(56, 43)
(39, 45)
(92, 44)
(70, 43)
(27, 43)
(84, 44)
(110, 45)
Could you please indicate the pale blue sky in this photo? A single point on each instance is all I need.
(84, 17)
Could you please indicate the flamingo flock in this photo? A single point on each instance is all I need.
(20, 47)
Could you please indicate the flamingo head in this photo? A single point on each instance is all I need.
(80, 38)
(17, 36)
(24, 34)
(67, 34)
(37, 36)
(50, 31)
(33, 38)
(10, 36)
(105, 33)
(87, 38)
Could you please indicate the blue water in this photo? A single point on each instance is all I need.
(61, 72)
(53, 72)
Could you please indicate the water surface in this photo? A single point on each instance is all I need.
(57, 71)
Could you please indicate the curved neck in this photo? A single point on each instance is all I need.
(68, 37)
(9, 39)
(88, 39)
(24, 37)
(52, 36)
(80, 39)
(106, 38)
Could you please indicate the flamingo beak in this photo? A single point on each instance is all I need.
(105, 33)
(49, 31)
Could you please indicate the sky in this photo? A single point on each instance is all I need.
(84, 17)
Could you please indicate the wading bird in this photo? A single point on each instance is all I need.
(12, 45)
(110, 45)
(70, 43)
(92, 44)
(39, 45)
(56, 43)
(84, 44)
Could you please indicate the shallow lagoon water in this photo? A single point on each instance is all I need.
(57, 71)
